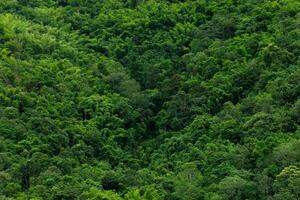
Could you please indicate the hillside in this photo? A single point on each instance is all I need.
(150, 99)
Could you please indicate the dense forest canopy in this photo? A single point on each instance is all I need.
(150, 99)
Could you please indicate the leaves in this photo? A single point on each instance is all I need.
(149, 100)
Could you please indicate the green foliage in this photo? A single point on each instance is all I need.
(149, 100)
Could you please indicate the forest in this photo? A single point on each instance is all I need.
(150, 99)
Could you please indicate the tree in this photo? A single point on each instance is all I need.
(287, 183)
(188, 183)
(96, 194)
(236, 188)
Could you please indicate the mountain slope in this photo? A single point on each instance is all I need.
(145, 100)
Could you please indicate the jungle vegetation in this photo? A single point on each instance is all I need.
(150, 99)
